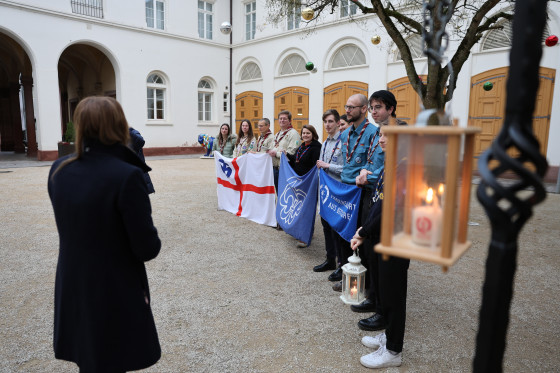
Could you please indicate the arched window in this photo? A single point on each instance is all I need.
(416, 46)
(156, 89)
(501, 38)
(250, 71)
(205, 100)
(348, 55)
(292, 64)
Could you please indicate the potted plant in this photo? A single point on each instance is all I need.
(67, 146)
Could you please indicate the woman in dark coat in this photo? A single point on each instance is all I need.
(308, 153)
(102, 316)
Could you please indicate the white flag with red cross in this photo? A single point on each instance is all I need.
(246, 187)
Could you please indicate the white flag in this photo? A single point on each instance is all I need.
(246, 187)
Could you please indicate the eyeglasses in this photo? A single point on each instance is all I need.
(375, 108)
(350, 107)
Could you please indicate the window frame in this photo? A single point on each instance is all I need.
(155, 21)
(204, 93)
(250, 20)
(207, 19)
(294, 18)
(348, 7)
(152, 88)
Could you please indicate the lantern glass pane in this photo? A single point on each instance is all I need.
(421, 189)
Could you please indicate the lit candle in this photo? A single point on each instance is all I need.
(353, 292)
(426, 222)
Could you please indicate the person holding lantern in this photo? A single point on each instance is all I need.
(331, 161)
(245, 139)
(392, 276)
(356, 142)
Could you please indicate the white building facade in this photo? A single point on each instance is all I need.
(168, 64)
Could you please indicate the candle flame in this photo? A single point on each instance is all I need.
(430, 195)
(441, 189)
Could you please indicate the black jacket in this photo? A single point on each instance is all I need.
(308, 160)
(102, 316)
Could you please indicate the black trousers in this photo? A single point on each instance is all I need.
(393, 280)
(332, 241)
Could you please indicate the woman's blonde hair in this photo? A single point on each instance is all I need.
(100, 118)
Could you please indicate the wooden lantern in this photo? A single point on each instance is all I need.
(427, 193)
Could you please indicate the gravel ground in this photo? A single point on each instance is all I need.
(230, 295)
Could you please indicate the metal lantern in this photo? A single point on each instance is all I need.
(307, 14)
(427, 192)
(353, 281)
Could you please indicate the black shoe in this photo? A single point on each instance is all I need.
(336, 275)
(328, 265)
(365, 306)
(376, 322)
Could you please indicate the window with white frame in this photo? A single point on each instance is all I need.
(348, 55)
(205, 95)
(205, 19)
(250, 71)
(415, 45)
(250, 20)
(294, 16)
(156, 88)
(348, 8)
(292, 64)
(155, 14)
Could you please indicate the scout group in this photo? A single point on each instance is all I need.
(100, 197)
(353, 153)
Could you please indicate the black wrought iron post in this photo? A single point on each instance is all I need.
(510, 206)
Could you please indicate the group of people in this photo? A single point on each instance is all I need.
(103, 188)
(352, 153)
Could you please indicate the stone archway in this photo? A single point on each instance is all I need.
(17, 119)
(83, 71)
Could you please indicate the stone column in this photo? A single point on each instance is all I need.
(27, 83)
(19, 147)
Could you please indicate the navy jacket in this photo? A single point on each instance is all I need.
(102, 315)
(137, 143)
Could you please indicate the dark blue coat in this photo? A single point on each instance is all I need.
(137, 143)
(102, 315)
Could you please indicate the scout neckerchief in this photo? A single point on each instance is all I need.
(260, 143)
(334, 149)
(378, 194)
(223, 144)
(371, 151)
(284, 133)
(301, 151)
(349, 155)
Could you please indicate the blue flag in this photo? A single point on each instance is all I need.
(297, 201)
(339, 205)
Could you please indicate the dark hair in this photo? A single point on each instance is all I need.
(344, 118)
(220, 139)
(266, 120)
(241, 134)
(100, 118)
(388, 98)
(285, 112)
(331, 112)
(311, 129)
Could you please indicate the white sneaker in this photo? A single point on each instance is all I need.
(301, 244)
(375, 341)
(381, 358)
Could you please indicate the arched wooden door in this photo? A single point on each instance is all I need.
(249, 105)
(296, 100)
(336, 95)
(408, 102)
(487, 108)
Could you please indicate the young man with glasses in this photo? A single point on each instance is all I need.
(355, 142)
(382, 105)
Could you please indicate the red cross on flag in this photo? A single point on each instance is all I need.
(246, 187)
